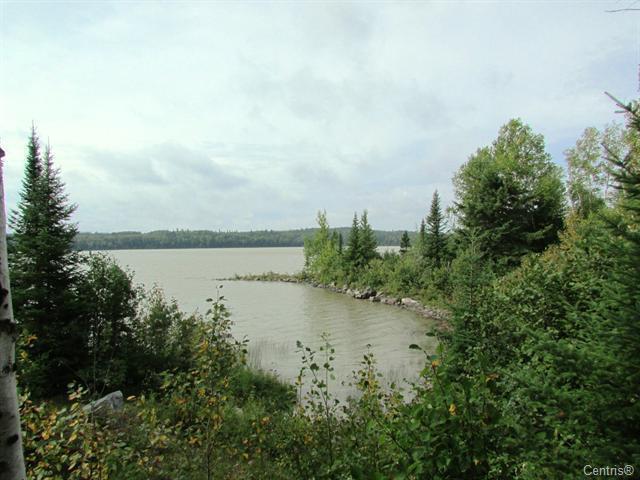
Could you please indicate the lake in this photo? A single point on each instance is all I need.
(273, 316)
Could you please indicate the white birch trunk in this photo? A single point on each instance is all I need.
(11, 457)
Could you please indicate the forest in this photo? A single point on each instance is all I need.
(536, 375)
(209, 239)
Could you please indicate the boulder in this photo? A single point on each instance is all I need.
(388, 300)
(364, 294)
(107, 404)
(410, 303)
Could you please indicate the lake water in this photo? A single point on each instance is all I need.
(275, 315)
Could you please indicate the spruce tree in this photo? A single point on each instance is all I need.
(435, 237)
(422, 239)
(368, 242)
(624, 290)
(353, 244)
(512, 193)
(405, 243)
(45, 269)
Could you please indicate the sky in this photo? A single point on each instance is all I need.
(255, 115)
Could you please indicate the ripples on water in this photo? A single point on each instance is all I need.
(273, 316)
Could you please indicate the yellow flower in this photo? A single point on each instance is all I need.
(452, 409)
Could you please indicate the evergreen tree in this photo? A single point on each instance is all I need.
(405, 243)
(45, 271)
(624, 291)
(368, 242)
(435, 237)
(512, 193)
(422, 239)
(353, 244)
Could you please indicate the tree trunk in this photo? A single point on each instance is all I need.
(11, 457)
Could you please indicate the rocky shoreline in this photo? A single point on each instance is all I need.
(441, 316)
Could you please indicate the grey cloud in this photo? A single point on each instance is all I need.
(161, 165)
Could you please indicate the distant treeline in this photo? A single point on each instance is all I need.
(210, 239)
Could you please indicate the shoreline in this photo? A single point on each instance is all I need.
(439, 315)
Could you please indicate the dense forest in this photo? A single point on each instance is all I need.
(537, 375)
(210, 239)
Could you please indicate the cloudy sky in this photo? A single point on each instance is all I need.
(252, 115)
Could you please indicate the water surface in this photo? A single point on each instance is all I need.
(275, 315)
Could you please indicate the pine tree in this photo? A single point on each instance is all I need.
(45, 271)
(405, 243)
(435, 237)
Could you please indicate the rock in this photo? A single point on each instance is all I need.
(107, 404)
(388, 300)
(364, 294)
(410, 303)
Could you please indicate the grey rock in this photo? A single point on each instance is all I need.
(410, 303)
(107, 404)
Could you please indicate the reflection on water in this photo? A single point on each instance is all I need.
(274, 315)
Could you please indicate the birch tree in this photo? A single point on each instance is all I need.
(11, 457)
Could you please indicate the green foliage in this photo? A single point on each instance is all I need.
(198, 397)
(353, 253)
(368, 243)
(587, 173)
(109, 299)
(446, 431)
(512, 193)
(422, 239)
(362, 244)
(44, 271)
(547, 334)
(323, 255)
(435, 239)
(405, 243)
(320, 403)
(68, 443)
